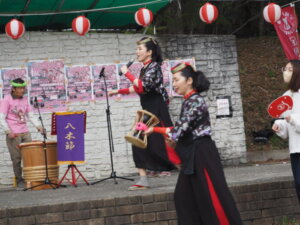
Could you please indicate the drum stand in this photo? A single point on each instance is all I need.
(113, 174)
(47, 181)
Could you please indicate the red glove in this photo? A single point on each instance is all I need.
(161, 130)
(130, 76)
(124, 91)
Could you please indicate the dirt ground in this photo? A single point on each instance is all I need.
(260, 62)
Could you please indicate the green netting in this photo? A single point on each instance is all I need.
(111, 18)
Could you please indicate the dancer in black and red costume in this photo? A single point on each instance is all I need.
(201, 194)
(154, 98)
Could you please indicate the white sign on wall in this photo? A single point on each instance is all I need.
(224, 108)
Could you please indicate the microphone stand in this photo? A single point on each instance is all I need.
(110, 137)
(47, 181)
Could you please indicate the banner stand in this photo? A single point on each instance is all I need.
(70, 128)
(74, 169)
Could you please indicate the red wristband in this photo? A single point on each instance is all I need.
(130, 76)
(161, 130)
(124, 91)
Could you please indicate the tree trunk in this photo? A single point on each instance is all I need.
(261, 20)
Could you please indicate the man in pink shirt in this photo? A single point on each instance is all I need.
(15, 111)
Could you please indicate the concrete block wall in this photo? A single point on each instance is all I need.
(265, 203)
(215, 55)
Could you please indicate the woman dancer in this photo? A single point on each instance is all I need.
(154, 98)
(201, 194)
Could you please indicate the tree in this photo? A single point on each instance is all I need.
(243, 18)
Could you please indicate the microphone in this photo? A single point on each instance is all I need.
(128, 65)
(102, 72)
(35, 104)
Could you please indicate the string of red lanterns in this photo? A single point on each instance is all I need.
(81, 25)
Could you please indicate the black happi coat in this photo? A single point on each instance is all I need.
(193, 124)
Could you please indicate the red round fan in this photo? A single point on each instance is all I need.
(280, 105)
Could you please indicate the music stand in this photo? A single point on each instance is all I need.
(47, 180)
(113, 174)
(71, 164)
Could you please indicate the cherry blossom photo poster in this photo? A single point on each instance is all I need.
(110, 76)
(48, 84)
(167, 76)
(9, 74)
(79, 86)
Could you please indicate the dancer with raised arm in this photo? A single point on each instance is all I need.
(154, 98)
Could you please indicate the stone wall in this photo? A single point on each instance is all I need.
(215, 55)
(268, 203)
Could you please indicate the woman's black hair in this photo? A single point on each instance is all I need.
(294, 84)
(200, 81)
(152, 45)
(18, 81)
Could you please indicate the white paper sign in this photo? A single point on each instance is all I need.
(223, 107)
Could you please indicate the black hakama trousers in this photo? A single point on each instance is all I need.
(155, 156)
(203, 198)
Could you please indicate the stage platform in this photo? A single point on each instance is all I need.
(264, 194)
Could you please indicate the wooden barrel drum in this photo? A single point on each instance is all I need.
(34, 166)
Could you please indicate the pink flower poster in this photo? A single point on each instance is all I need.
(47, 84)
(110, 76)
(167, 76)
(79, 86)
(9, 74)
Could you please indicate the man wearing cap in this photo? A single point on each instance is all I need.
(15, 111)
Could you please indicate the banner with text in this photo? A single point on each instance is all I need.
(70, 137)
(286, 28)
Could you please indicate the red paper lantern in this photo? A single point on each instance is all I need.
(14, 29)
(208, 13)
(143, 17)
(81, 25)
(272, 13)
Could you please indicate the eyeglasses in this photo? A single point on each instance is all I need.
(290, 69)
